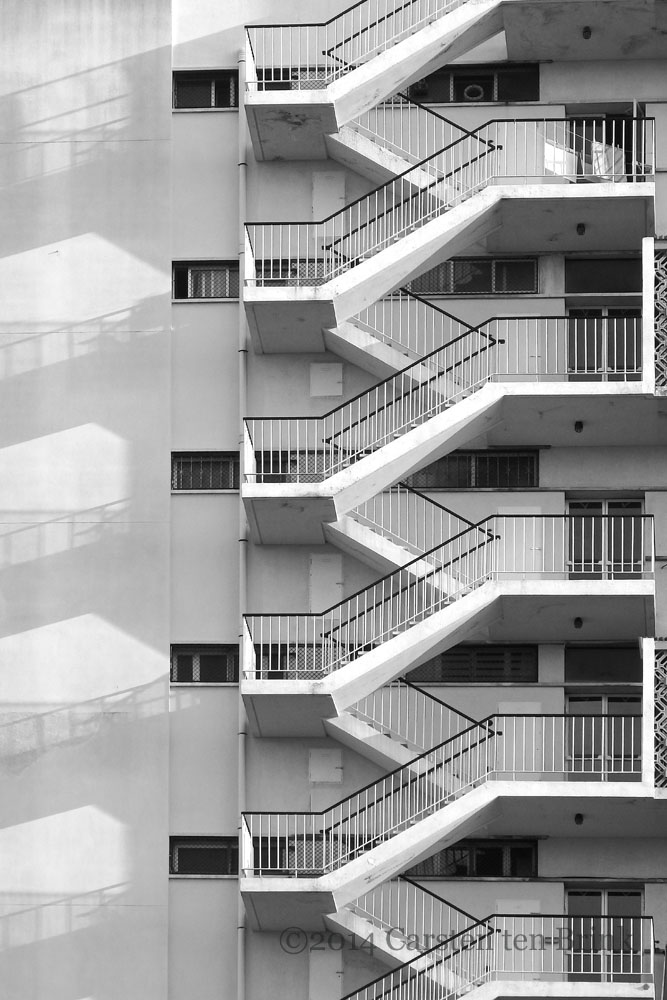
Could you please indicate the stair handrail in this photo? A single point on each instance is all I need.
(473, 134)
(392, 804)
(313, 30)
(408, 972)
(639, 142)
(402, 722)
(404, 906)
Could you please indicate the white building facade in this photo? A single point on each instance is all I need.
(366, 696)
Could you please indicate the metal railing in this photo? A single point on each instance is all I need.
(410, 716)
(409, 323)
(409, 129)
(311, 56)
(402, 909)
(501, 547)
(541, 348)
(517, 151)
(601, 347)
(409, 518)
(551, 948)
(506, 747)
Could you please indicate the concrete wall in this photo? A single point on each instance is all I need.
(85, 128)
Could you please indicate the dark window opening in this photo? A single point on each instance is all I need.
(205, 470)
(205, 89)
(481, 859)
(203, 856)
(479, 470)
(478, 276)
(479, 84)
(205, 280)
(603, 664)
(205, 664)
(602, 274)
(466, 664)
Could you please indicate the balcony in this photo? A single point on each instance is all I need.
(523, 578)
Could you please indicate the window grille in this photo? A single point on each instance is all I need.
(203, 856)
(479, 84)
(206, 280)
(219, 89)
(465, 470)
(478, 276)
(205, 470)
(479, 665)
(290, 272)
(290, 78)
(481, 859)
(205, 664)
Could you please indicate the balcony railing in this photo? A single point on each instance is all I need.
(311, 56)
(549, 948)
(410, 716)
(509, 349)
(502, 547)
(501, 747)
(520, 150)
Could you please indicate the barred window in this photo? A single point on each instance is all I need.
(203, 856)
(465, 470)
(479, 84)
(469, 664)
(481, 859)
(205, 664)
(205, 470)
(205, 280)
(478, 276)
(206, 89)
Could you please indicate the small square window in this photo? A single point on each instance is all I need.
(205, 664)
(206, 280)
(205, 470)
(203, 856)
(206, 89)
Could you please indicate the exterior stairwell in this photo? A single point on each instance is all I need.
(509, 955)
(320, 274)
(396, 723)
(303, 82)
(325, 861)
(385, 141)
(400, 920)
(301, 668)
(324, 467)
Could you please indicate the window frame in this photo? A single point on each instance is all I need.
(498, 267)
(473, 459)
(473, 845)
(183, 270)
(215, 77)
(449, 78)
(527, 651)
(232, 456)
(199, 649)
(205, 842)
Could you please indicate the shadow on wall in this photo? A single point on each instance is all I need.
(84, 506)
